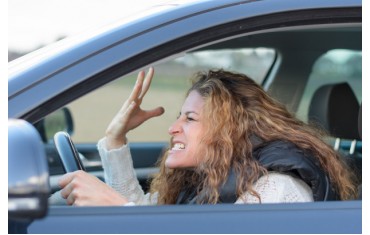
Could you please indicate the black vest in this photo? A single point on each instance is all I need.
(278, 156)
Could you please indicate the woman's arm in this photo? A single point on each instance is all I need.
(120, 174)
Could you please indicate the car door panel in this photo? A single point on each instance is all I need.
(317, 217)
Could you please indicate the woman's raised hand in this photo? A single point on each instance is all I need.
(131, 115)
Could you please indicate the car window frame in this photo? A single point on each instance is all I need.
(254, 25)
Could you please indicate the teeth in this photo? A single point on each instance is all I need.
(178, 146)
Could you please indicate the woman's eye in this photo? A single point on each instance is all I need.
(189, 119)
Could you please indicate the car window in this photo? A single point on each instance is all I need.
(93, 112)
(335, 66)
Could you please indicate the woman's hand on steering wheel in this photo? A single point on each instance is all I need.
(82, 189)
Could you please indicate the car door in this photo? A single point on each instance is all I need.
(251, 22)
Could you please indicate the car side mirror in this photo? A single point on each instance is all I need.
(60, 120)
(28, 174)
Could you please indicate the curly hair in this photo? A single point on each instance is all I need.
(236, 108)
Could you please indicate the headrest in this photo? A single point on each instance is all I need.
(335, 108)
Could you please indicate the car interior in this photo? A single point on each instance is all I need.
(314, 71)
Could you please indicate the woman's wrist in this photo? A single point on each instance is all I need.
(114, 143)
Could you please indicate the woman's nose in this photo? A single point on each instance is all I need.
(174, 128)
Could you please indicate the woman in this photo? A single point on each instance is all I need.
(231, 143)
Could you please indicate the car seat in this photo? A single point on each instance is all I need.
(335, 108)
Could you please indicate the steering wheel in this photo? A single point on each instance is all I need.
(67, 152)
(70, 159)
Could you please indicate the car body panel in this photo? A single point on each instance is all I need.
(319, 217)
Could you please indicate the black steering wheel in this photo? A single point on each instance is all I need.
(67, 152)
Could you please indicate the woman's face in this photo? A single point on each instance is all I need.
(186, 133)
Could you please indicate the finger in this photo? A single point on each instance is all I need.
(70, 199)
(154, 112)
(66, 191)
(65, 179)
(130, 109)
(147, 82)
(138, 86)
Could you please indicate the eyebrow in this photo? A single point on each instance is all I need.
(189, 112)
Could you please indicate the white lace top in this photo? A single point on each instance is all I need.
(120, 175)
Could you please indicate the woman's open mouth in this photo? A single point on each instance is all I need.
(178, 146)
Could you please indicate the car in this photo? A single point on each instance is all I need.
(306, 54)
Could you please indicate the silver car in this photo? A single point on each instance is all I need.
(299, 51)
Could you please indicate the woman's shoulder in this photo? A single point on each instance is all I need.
(286, 188)
(276, 187)
(276, 147)
(281, 181)
(284, 156)
(287, 158)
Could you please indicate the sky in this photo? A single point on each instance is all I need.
(34, 23)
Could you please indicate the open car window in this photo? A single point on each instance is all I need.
(287, 79)
(93, 112)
